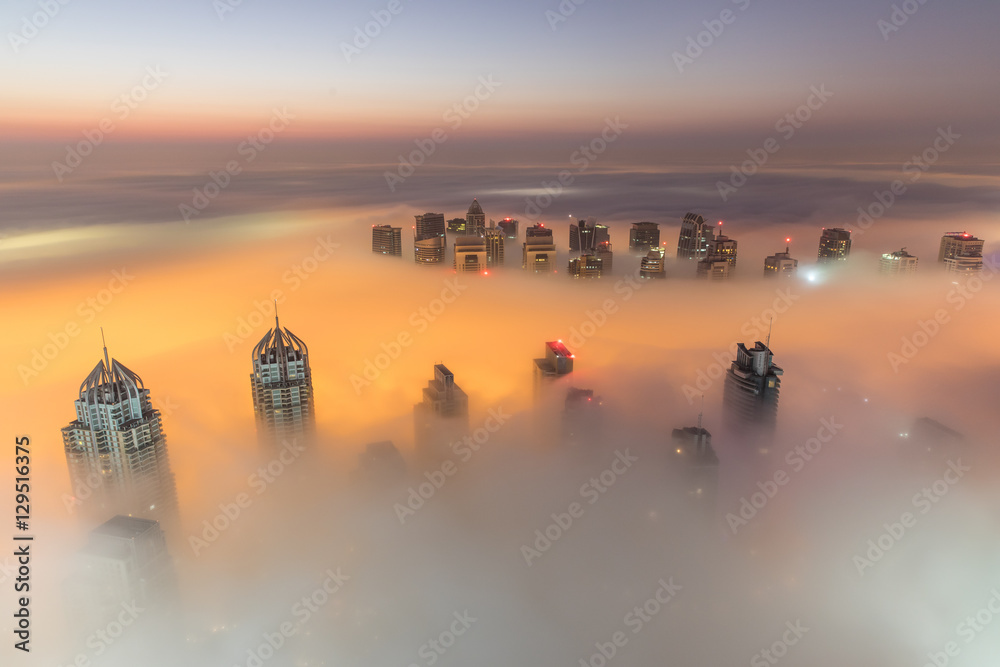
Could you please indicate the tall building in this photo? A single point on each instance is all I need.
(475, 219)
(583, 419)
(387, 240)
(834, 245)
(495, 243)
(750, 395)
(457, 226)
(381, 462)
(957, 244)
(720, 261)
(557, 363)
(652, 265)
(695, 238)
(603, 252)
(509, 227)
(586, 235)
(124, 561)
(781, 264)
(442, 416)
(429, 239)
(961, 253)
(894, 263)
(539, 250)
(281, 387)
(643, 236)
(115, 448)
(724, 248)
(470, 254)
(585, 266)
(698, 464)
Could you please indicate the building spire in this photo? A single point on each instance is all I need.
(107, 362)
(770, 323)
(277, 327)
(701, 411)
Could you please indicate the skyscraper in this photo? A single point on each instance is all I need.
(387, 240)
(470, 254)
(557, 363)
(509, 227)
(116, 449)
(586, 266)
(583, 419)
(281, 386)
(961, 253)
(442, 416)
(651, 265)
(643, 236)
(724, 247)
(834, 245)
(603, 252)
(457, 226)
(894, 263)
(539, 250)
(429, 239)
(698, 464)
(695, 238)
(495, 244)
(475, 220)
(585, 235)
(750, 395)
(781, 264)
(714, 267)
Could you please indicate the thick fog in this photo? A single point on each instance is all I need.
(848, 537)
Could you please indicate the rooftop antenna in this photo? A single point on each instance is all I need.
(277, 327)
(701, 411)
(770, 323)
(107, 362)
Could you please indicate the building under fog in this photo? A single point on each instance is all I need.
(695, 238)
(442, 416)
(557, 363)
(381, 462)
(281, 388)
(834, 245)
(429, 239)
(750, 394)
(495, 238)
(899, 262)
(475, 220)
(586, 266)
(585, 235)
(116, 449)
(583, 419)
(714, 267)
(643, 237)
(125, 562)
(697, 464)
(456, 225)
(964, 264)
(509, 227)
(539, 250)
(652, 265)
(470, 254)
(781, 264)
(961, 253)
(387, 240)
(606, 256)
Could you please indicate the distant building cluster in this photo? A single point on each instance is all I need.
(479, 247)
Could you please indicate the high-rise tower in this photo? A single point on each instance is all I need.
(282, 389)
(116, 449)
(834, 245)
(429, 239)
(387, 240)
(695, 238)
(750, 395)
(643, 237)
(475, 220)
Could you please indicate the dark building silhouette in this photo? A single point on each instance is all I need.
(695, 238)
(750, 395)
(557, 363)
(834, 245)
(697, 464)
(442, 416)
(429, 239)
(643, 237)
(606, 256)
(475, 220)
(586, 266)
(509, 227)
(583, 419)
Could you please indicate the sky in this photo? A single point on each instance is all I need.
(167, 170)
